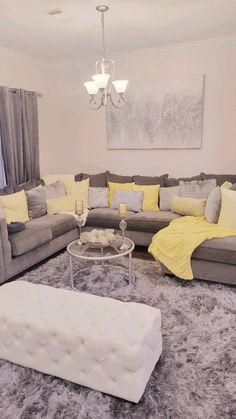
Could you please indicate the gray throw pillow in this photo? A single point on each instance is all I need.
(166, 196)
(133, 199)
(98, 197)
(54, 190)
(213, 205)
(198, 189)
(36, 202)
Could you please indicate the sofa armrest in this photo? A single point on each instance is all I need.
(5, 250)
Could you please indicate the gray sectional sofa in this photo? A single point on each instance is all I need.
(214, 260)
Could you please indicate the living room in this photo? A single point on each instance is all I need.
(166, 49)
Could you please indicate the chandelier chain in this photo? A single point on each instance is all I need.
(103, 37)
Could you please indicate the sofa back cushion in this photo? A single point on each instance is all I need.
(150, 180)
(172, 181)
(36, 201)
(220, 179)
(95, 181)
(7, 190)
(111, 177)
(26, 186)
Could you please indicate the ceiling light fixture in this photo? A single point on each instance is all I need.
(101, 87)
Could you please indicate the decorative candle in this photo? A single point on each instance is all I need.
(122, 209)
(79, 207)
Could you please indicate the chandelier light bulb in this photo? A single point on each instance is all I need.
(91, 87)
(120, 85)
(101, 80)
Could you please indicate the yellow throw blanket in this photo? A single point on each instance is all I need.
(173, 246)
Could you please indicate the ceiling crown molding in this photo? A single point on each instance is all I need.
(149, 52)
(23, 57)
(155, 51)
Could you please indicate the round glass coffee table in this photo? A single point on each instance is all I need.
(100, 254)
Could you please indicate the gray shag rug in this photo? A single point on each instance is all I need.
(194, 378)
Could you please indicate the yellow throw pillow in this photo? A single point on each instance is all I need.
(15, 207)
(188, 206)
(114, 185)
(227, 218)
(79, 190)
(63, 204)
(150, 196)
(48, 179)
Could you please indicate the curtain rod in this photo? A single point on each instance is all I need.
(29, 92)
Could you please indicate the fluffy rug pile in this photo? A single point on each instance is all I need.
(194, 379)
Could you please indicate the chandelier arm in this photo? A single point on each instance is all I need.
(121, 101)
(94, 104)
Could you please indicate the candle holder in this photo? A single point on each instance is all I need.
(79, 211)
(123, 225)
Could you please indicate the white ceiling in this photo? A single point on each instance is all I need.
(130, 24)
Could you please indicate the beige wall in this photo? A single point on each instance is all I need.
(73, 137)
(21, 72)
(77, 135)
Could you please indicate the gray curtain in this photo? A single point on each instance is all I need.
(2, 170)
(19, 132)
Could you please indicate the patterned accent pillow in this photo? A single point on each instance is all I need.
(98, 197)
(213, 204)
(54, 190)
(197, 189)
(166, 196)
(133, 199)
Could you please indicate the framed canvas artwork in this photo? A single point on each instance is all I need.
(164, 113)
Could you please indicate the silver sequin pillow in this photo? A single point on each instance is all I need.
(197, 189)
(133, 199)
(98, 197)
(166, 196)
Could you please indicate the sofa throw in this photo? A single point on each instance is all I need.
(174, 245)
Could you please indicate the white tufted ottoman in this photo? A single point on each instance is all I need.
(98, 342)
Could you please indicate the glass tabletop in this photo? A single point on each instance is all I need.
(90, 251)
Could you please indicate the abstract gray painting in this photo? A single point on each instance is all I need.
(164, 113)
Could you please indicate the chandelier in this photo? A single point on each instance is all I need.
(103, 87)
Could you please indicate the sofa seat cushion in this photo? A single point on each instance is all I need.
(217, 250)
(27, 240)
(105, 217)
(150, 221)
(58, 224)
